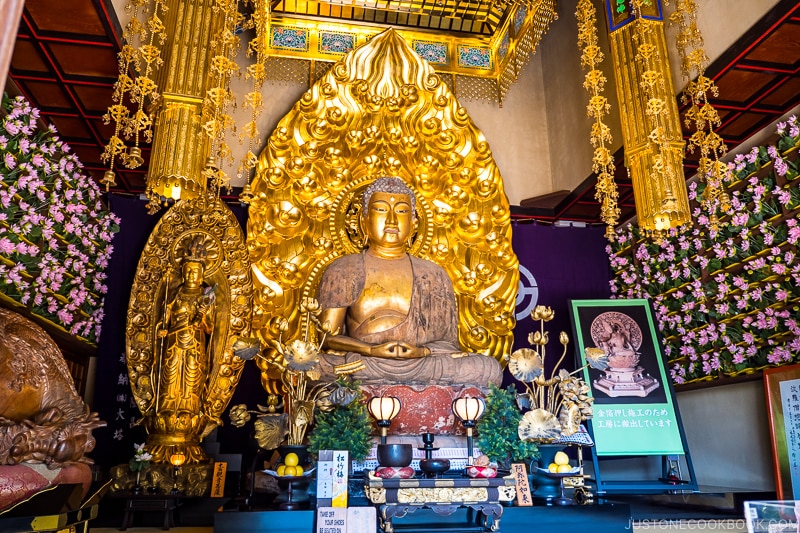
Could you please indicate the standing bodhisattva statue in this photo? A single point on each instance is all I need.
(187, 322)
(395, 313)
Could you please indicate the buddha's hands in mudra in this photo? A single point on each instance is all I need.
(398, 350)
(386, 350)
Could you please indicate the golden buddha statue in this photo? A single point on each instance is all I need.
(395, 313)
(382, 110)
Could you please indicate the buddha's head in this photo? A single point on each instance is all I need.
(388, 216)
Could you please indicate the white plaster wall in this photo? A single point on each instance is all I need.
(518, 134)
(568, 123)
(728, 435)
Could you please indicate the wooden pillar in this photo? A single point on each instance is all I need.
(10, 13)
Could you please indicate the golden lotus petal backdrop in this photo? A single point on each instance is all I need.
(382, 110)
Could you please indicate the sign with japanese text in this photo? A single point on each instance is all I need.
(523, 488)
(340, 472)
(634, 406)
(218, 479)
(325, 478)
(782, 388)
(790, 399)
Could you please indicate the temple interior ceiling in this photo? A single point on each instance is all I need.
(65, 63)
(468, 17)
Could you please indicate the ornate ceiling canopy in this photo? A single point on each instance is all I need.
(482, 45)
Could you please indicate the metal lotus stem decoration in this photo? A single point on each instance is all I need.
(557, 405)
(299, 372)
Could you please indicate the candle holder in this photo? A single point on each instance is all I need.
(384, 409)
(468, 410)
(176, 460)
(430, 466)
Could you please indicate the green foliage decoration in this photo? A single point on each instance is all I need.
(497, 429)
(344, 427)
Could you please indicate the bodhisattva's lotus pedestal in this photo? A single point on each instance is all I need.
(624, 377)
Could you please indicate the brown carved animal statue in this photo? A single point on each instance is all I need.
(42, 418)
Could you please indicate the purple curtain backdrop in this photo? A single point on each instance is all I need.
(566, 263)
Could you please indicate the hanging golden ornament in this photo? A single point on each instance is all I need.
(651, 128)
(594, 82)
(701, 114)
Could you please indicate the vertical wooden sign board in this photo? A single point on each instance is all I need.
(325, 478)
(523, 488)
(218, 480)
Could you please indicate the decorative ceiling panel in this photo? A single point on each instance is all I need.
(94, 99)
(80, 18)
(738, 87)
(458, 37)
(783, 94)
(74, 62)
(479, 17)
(48, 96)
(782, 47)
(71, 127)
(27, 58)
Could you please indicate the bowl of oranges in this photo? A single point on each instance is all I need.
(560, 466)
(290, 467)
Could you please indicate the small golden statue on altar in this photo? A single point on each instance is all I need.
(187, 322)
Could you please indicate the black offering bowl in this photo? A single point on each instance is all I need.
(395, 455)
(432, 467)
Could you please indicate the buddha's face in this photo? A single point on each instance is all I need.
(389, 219)
(192, 274)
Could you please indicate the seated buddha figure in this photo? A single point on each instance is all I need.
(395, 314)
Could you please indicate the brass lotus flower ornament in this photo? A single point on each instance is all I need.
(525, 364)
(555, 407)
(301, 355)
(540, 425)
(298, 365)
(545, 314)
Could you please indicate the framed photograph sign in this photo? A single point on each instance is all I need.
(782, 387)
(634, 404)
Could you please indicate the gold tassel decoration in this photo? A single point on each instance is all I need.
(598, 107)
(701, 114)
